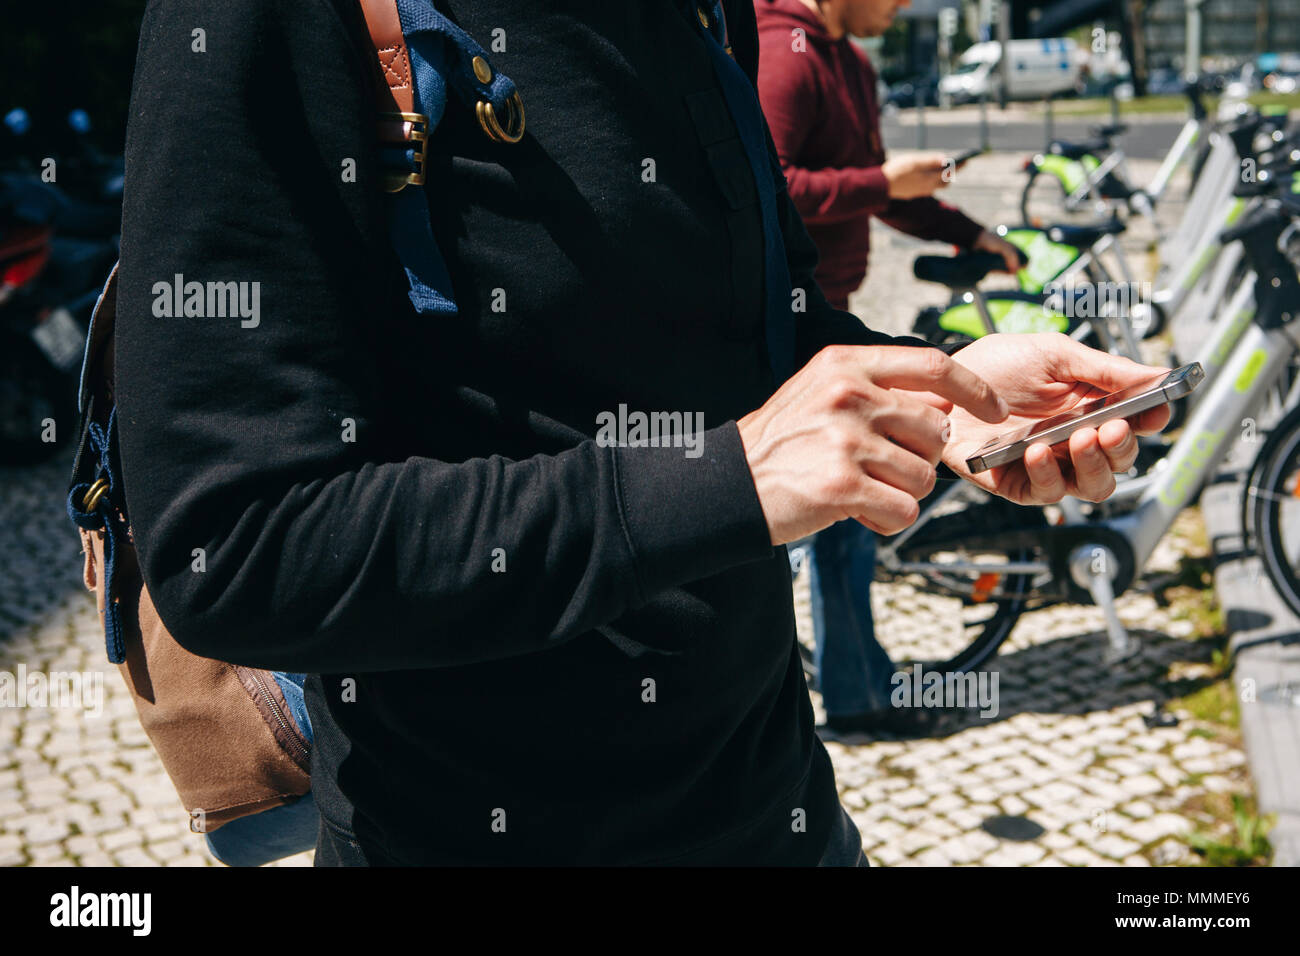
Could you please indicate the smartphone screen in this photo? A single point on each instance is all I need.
(1089, 413)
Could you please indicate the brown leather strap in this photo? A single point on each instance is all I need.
(396, 93)
(102, 340)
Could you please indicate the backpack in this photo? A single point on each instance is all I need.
(228, 736)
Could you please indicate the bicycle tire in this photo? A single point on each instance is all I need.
(1252, 480)
(1058, 195)
(963, 529)
(1278, 468)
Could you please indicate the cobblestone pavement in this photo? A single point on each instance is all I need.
(77, 788)
(1075, 768)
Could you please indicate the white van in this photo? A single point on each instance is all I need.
(1036, 69)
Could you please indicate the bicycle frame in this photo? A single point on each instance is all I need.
(1116, 161)
(1212, 191)
(1187, 138)
(1211, 296)
(1255, 365)
(1173, 294)
(1090, 260)
(1225, 334)
(1092, 179)
(1226, 330)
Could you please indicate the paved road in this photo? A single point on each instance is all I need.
(1149, 137)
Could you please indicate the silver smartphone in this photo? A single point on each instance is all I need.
(1090, 413)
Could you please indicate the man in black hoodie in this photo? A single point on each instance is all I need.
(524, 647)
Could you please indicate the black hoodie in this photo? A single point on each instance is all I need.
(529, 647)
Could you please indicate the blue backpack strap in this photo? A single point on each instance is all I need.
(420, 54)
(90, 506)
(95, 500)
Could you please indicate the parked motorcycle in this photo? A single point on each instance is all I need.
(58, 240)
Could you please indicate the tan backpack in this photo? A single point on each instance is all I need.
(226, 735)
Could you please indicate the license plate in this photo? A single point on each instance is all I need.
(61, 339)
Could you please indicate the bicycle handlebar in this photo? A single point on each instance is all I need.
(1193, 91)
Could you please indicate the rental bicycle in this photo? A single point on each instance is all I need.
(961, 575)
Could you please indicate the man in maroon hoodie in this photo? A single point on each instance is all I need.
(818, 91)
(819, 95)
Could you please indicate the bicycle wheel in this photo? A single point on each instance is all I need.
(938, 606)
(1043, 200)
(1275, 492)
(1275, 410)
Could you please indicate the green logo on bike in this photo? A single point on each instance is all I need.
(1251, 371)
(1188, 471)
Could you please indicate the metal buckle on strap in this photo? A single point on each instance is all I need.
(513, 131)
(93, 495)
(415, 131)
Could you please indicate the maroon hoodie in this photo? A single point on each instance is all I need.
(821, 106)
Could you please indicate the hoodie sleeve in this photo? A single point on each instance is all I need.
(789, 92)
(932, 219)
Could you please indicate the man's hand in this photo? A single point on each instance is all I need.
(844, 438)
(991, 242)
(1038, 376)
(917, 175)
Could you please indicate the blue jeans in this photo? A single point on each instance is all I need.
(853, 670)
(272, 834)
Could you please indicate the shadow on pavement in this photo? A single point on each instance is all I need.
(1069, 676)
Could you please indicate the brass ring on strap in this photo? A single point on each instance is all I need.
(94, 494)
(513, 131)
